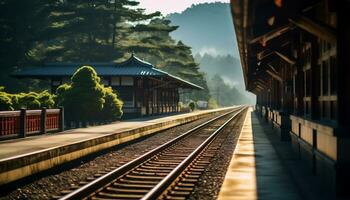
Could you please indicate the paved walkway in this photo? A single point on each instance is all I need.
(256, 171)
(15, 147)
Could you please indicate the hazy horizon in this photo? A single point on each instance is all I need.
(170, 6)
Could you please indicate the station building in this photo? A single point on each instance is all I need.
(144, 89)
(295, 58)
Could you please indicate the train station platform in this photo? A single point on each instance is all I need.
(264, 167)
(23, 157)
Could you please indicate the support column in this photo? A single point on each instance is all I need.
(23, 124)
(43, 121)
(343, 95)
(315, 80)
(146, 89)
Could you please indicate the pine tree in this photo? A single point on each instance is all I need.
(23, 24)
(92, 30)
(158, 47)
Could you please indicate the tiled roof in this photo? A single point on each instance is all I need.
(131, 67)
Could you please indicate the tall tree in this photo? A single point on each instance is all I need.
(94, 30)
(23, 24)
(158, 47)
(91, 30)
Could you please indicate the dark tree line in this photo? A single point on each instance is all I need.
(40, 31)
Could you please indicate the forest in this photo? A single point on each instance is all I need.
(38, 31)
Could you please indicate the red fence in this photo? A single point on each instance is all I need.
(28, 122)
(9, 122)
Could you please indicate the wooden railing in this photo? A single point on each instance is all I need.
(21, 123)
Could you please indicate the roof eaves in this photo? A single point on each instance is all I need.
(194, 86)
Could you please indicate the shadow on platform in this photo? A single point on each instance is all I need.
(280, 174)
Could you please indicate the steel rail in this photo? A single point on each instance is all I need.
(177, 171)
(96, 185)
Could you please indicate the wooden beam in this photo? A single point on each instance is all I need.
(285, 58)
(274, 75)
(263, 54)
(272, 34)
(261, 82)
(272, 67)
(259, 87)
(315, 28)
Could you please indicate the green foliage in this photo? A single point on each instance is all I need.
(24, 24)
(192, 105)
(184, 107)
(171, 56)
(5, 102)
(212, 103)
(46, 99)
(85, 95)
(14, 101)
(87, 100)
(38, 31)
(224, 94)
(28, 100)
(61, 94)
(85, 77)
(31, 100)
(112, 108)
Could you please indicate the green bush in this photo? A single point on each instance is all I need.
(28, 100)
(212, 103)
(61, 92)
(5, 102)
(84, 100)
(192, 105)
(184, 107)
(46, 99)
(31, 100)
(14, 100)
(112, 108)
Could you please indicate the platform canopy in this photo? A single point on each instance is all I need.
(132, 67)
(266, 31)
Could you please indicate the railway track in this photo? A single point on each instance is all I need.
(169, 171)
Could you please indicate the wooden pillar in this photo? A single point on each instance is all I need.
(173, 100)
(161, 101)
(315, 79)
(298, 88)
(43, 121)
(146, 95)
(343, 66)
(23, 124)
(61, 119)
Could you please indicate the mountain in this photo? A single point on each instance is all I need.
(207, 28)
(226, 66)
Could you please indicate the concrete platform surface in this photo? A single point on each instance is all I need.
(15, 147)
(27, 156)
(256, 171)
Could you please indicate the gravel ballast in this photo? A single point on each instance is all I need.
(53, 182)
(209, 184)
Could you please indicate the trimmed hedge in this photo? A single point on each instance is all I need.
(31, 100)
(192, 105)
(112, 108)
(87, 100)
(5, 102)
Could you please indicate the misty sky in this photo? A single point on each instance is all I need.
(171, 6)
